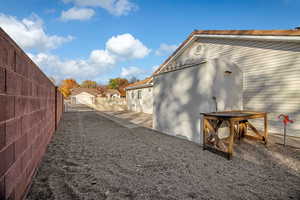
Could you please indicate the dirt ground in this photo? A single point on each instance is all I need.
(96, 156)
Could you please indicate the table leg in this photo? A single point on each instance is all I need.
(243, 126)
(203, 132)
(266, 129)
(231, 139)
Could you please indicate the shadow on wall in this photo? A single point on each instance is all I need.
(180, 96)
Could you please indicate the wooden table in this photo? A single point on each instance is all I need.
(238, 124)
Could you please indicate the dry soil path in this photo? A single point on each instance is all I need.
(93, 156)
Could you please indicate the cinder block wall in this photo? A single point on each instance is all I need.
(30, 109)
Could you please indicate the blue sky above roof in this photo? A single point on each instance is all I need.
(102, 39)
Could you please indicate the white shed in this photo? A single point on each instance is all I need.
(139, 96)
(227, 70)
(85, 96)
(112, 93)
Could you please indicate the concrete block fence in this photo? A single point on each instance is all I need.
(30, 110)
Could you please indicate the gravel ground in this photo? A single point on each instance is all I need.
(95, 157)
(141, 119)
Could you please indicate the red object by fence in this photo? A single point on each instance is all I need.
(285, 119)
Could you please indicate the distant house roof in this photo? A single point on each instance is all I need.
(140, 84)
(91, 91)
(293, 34)
(112, 91)
(122, 92)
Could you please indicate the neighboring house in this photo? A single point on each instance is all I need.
(112, 93)
(84, 96)
(226, 70)
(139, 96)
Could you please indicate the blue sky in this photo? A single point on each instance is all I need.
(102, 39)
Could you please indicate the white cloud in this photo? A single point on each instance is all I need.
(165, 49)
(131, 72)
(102, 57)
(74, 13)
(155, 67)
(126, 46)
(96, 65)
(80, 69)
(29, 33)
(115, 7)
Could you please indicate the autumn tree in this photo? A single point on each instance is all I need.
(66, 86)
(117, 83)
(65, 91)
(88, 84)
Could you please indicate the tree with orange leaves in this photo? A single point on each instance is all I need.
(88, 84)
(117, 83)
(66, 86)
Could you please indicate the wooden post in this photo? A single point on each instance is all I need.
(231, 139)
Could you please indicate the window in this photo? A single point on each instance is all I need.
(139, 94)
(149, 90)
(132, 94)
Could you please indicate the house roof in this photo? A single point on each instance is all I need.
(91, 91)
(257, 33)
(140, 84)
(112, 91)
(122, 92)
(293, 32)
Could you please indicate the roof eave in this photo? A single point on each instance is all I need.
(140, 86)
(199, 34)
(293, 38)
(84, 92)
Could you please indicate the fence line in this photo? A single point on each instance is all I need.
(30, 110)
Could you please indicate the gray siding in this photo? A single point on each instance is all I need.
(271, 75)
